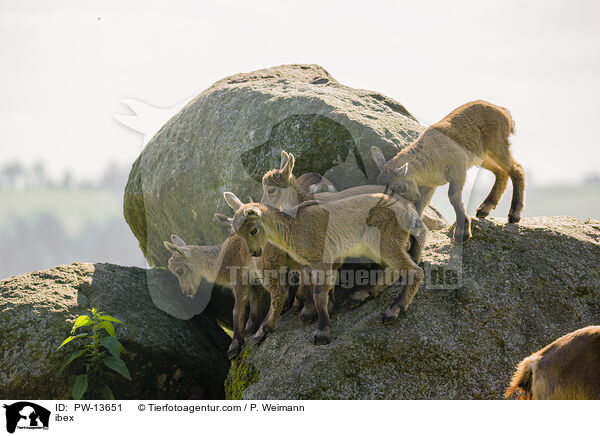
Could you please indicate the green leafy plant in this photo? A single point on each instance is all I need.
(101, 351)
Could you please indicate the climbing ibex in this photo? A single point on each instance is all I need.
(567, 369)
(473, 134)
(372, 225)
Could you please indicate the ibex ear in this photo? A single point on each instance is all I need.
(402, 170)
(222, 219)
(284, 159)
(174, 249)
(178, 241)
(289, 167)
(378, 157)
(252, 212)
(233, 202)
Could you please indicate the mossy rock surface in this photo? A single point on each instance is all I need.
(233, 132)
(518, 288)
(169, 358)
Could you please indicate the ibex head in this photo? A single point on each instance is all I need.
(277, 183)
(183, 266)
(398, 179)
(247, 222)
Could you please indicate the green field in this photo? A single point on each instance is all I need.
(73, 208)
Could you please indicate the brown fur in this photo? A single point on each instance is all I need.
(473, 134)
(566, 369)
(320, 235)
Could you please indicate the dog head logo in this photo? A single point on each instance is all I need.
(26, 415)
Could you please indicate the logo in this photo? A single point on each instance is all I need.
(26, 415)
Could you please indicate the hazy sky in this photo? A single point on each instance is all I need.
(67, 65)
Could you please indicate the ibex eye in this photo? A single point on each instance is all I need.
(271, 190)
(180, 271)
(253, 232)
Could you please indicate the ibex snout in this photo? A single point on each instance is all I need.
(257, 252)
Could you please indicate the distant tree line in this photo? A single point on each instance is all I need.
(41, 242)
(15, 175)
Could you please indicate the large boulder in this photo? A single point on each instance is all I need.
(511, 290)
(228, 136)
(169, 358)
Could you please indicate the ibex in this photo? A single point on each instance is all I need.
(372, 225)
(473, 134)
(230, 264)
(191, 263)
(567, 369)
(284, 192)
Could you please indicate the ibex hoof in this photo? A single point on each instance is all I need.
(514, 219)
(321, 337)
(482, 213)
(259, 337)
(389, 316)
(234, 350)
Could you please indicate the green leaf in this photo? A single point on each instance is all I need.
(79, 387)
(94, 311)
(109, 318)
(112, 345)
(71, 358)
(70, 338)
(123, 350)
(66, 341)
(106, 325)
(106, 393)
(117, 365)
(83, 320)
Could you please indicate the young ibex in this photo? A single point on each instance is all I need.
(473, 134)
(191, 263)
(284, 192)
(320, 235)
(230, 264)
(567, 369)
